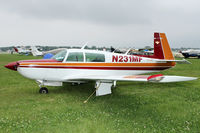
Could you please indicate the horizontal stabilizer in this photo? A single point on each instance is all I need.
(177, 61)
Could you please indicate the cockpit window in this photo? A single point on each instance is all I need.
(75, 57)
(60, 56)
(95, 57)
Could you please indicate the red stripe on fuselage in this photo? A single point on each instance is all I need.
(100, 68)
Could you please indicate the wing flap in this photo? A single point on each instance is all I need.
(167, 79)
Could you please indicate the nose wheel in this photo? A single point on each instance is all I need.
(43, 90)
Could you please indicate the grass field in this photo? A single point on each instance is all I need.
(132, 107)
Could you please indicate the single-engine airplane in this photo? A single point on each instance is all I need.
(22, 50)
(191, 53)
(81, 65)
(36, 52)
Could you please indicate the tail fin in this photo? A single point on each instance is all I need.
(162, 49)
(35, 51)
(16, 50)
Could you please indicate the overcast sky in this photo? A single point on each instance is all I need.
(120, 23)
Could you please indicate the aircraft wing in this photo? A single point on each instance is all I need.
(145, 78)
(54, 51)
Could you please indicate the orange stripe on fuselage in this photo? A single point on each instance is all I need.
(170, 64)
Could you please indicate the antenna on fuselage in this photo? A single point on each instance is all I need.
(127, 51)
(84, 45)
(114, 50)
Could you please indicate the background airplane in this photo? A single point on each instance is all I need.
(22, 50)
(36, 52)
(191, 53)
(105, 68)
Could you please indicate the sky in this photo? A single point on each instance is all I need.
(118, 23)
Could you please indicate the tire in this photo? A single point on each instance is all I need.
(75, 83)
(43, 90)
(186, 55)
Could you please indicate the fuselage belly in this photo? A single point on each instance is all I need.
(53, 74)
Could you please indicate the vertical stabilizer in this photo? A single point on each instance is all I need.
(16, 50)
(162, 49)
(35, 51)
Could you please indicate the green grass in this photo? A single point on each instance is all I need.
(132, 106)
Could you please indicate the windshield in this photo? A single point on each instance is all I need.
(60, 56)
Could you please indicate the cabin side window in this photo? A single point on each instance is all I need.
(75, 57)
(94, 57)
(60, 56)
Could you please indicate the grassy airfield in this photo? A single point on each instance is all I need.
(132, 107)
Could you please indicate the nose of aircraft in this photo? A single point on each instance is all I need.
(12, 66)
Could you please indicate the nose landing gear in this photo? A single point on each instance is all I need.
(42, 83)
(43, 90)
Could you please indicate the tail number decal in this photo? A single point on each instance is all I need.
(116, 58)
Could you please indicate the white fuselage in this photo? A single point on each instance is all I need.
(114, 65)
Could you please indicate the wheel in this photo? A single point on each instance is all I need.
(75, 83)
(43, 90)
(186, 55)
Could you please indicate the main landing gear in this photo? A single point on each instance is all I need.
(43, 90)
